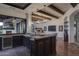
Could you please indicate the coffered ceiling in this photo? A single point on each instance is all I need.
(43, 10)
(19, 5)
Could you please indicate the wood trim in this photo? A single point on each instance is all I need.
(41, 16)
(43, 12)
(7, 16)
(28, 4)
(35, 19)
(73, 4)
(56, 9)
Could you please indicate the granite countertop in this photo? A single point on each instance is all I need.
(10, 35)
(32, 36)
(42, 36)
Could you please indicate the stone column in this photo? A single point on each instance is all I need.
(29, 23)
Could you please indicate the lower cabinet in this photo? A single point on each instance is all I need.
(27, 42)
(0, 43)
(17, 41)
(44, 46)
(38, 47)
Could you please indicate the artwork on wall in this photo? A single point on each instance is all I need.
(52, 28)
(45, 28)
(61, 28)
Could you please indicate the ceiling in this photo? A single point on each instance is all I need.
(19, 5)
(54, 10)
(44, 11)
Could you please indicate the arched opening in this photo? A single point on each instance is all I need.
(74, 26)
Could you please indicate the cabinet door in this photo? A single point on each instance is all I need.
(7, 42)
(47, 47)
(0, 43)
(17, 41)
(40, 47)
(53, 44)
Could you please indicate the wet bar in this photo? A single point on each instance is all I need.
(39, 45)
(42, 45)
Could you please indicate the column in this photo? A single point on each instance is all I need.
(29, 23)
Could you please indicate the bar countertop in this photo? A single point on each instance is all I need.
(32, 36)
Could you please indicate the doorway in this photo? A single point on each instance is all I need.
(76, 27)
(65, 30)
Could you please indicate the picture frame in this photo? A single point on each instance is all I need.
(45, 28)
(52, 28)
(61, 28)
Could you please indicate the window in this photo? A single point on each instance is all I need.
(1, 23)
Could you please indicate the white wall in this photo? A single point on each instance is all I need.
(70, 14)
(56, 22)
(60, 21)
(70, 17)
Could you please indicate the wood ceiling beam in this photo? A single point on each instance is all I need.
(56, 9)
(43, 12)
(36, 19)
(27, 5)
(41, 16)
(73, 4)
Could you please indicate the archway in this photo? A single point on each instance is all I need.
(74, 26)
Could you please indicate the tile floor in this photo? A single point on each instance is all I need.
(18, 51)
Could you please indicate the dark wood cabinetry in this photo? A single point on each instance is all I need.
(44, 46)
(27, 42)
(17, 41)
(0, 43)
(12, 41)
